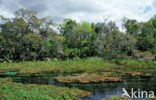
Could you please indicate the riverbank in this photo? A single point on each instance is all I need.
(89, 65)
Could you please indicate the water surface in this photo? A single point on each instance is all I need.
(101, 90)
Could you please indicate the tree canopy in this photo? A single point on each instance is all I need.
(28, 37)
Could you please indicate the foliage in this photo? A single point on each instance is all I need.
(26, 37)
(144, 32)
(112, 42)
(79, 38)
(23, 37)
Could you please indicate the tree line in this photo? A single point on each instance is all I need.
(26, 37)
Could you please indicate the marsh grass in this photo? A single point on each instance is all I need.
(88, 78)
(69, 66)
(18, 91)
(116, 68)
(89, 65)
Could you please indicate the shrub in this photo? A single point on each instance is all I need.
(143, 56)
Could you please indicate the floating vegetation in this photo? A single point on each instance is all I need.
(17, 91)
(88, 78)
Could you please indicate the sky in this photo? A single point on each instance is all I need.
(89, 10)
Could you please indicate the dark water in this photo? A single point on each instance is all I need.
(101, 90)
(115, 89)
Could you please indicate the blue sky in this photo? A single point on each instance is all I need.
(147, 9)
(90, 10)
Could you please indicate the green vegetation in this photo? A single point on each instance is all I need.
(77, 70)
(113, 98)
(69, 66)
(81, 52)
(17, 91)
(26, 37)
(90, 65)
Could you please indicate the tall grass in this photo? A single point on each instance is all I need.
(89, 65)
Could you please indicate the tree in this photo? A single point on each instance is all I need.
(67, 26)
(23, 35)
(144, 32)
(132, 26)
(31, 47)
(52, 47)
(146, 39)
(79, 38)
(111, 42)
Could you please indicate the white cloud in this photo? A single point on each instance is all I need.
(90, 10)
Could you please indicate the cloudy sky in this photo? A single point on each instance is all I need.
(90, 10)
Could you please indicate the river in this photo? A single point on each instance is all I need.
(101, 90)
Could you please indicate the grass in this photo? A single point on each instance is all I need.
(69, 66)
(136, 64)
(17, 91)
(113, 98)
(91, 67)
